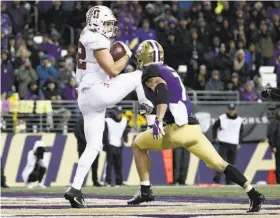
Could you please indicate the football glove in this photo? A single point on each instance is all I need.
(158, 131)
(126, 48)
(145, 109)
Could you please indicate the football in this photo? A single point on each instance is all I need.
(117, 51)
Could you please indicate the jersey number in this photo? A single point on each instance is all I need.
(184, 94)
(81, 56)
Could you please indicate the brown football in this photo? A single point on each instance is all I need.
(117, 51)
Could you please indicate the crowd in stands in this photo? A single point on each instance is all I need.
(222, 43)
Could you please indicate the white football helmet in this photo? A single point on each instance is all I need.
(101, 19)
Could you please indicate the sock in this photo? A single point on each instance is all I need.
(84, 166)
(252, 193)
(234, 175)
(145, 186)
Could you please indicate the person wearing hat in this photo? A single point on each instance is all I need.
(227, 131)
(115, 134)
(45, 70)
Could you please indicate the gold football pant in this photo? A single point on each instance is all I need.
(188, 136)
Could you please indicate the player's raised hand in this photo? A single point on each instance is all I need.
(158, 131)
(126, 48)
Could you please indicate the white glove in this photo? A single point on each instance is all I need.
(126, 48)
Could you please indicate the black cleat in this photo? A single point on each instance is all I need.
(75, 197)
(256, 203)
(141, 197)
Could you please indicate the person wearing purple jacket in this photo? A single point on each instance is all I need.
(33, 92)
(52, 46)
(145, 32)
(7, 75)
(70, 92)
(247, 93)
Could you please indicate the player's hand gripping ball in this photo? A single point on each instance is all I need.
(117, 51)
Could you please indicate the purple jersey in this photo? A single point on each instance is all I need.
(180, 108)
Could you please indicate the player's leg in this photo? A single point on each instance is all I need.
(205, 151)
(118, 166)
(117, 88)
(110, 164)
(231, 157)
(143, 143)
(93, 127)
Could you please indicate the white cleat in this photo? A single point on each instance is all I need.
(40, 185)
(29, 185)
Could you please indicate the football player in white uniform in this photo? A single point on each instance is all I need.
(100, 87)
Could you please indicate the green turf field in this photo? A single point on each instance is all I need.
(268, 191)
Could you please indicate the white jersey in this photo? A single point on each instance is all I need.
(88, 70)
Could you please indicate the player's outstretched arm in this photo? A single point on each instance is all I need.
(158, 85)
(106, 62)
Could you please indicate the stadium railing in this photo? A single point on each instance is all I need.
(63, 115)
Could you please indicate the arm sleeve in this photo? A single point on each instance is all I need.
(215, 128)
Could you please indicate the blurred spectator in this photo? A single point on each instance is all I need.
(247, 93)
(7, 76)
(200, 80)
(55, 16)
(181, 159)
(33, 92)
(51, 90)
(232, 49)
(257, 85)
(128, 35)
(235, 82)
(148, 15)
(35, 59)
(266, 43)
(64, 74)
(276, 25)
(45, 70)
(226, 33)
(276, 52)
(241, 67)
(20, 16)
(273, 133)
(204, 34)
(195, 48)
(25, 75)
(223, 63)
(254, 60)
(207, 11)
(77, 17)
(69, 92)
(192, 73)
(215, 84)
(173, 51)
(160, 31)
(12, 47)
(167, 15)
(145, 32)
(252, 34)
(6, 26)
(52, 46)
(214, 51)
(23, 55)
(159, 8)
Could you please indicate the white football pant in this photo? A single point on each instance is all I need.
(93, 103)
